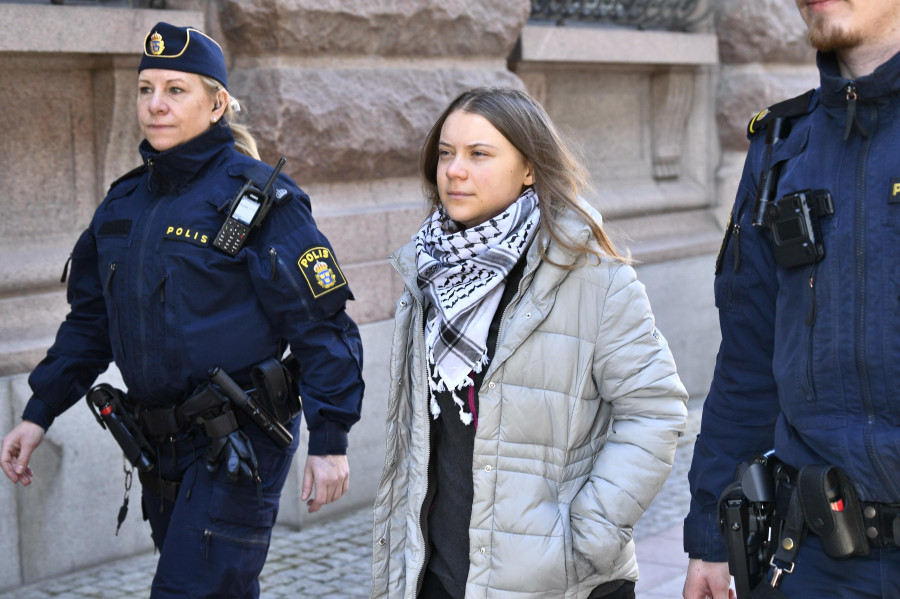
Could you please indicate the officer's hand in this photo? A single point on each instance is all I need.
(330, 475)
(15, 451)
(708, 580)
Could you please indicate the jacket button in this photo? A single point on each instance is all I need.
(381, 542)
(487, 468)
(491, 385)
(528, 315)
(483, 550)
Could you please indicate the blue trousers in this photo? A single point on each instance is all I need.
(214, 538)
(817, 576)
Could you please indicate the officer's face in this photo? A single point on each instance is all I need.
(479, 173)
(848, 24)
(173, 107)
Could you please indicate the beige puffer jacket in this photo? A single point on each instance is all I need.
(579, 414)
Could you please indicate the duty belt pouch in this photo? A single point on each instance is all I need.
(832, 511)
(208, 408)
(276, 389)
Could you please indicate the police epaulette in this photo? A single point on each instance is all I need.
(132, 173)
(787, 109)
(259, 173)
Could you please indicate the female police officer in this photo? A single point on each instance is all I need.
(152, 290)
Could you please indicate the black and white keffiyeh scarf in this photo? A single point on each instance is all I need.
(462, 273)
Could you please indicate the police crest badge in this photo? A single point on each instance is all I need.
(321, 270)
(156, 44)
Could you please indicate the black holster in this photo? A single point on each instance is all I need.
(746, 510)
(254, 406)
(110, 409)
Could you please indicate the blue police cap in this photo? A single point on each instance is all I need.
(185, 49)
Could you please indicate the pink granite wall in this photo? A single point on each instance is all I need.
(765, 58)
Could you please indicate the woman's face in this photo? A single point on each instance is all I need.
(174, 107)
(479, 172)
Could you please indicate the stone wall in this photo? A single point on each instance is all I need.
(346, 90)
(638, 107)
(765, 59)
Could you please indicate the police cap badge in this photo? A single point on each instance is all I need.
(185, 49)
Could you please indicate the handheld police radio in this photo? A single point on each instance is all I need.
(247, 210)
(124, 429)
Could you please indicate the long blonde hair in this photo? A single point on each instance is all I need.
(558, 176)
(243, 139)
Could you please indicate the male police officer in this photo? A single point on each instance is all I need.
(808, 292)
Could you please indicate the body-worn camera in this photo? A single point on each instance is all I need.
(796, 231)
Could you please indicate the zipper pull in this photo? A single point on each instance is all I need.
(109, 276)
(851, 97)
(65, 274)
(274, 263)
(162, 289)
(811, 315)
(150, 173)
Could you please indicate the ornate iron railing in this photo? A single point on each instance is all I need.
(116, 3)
(674, 15)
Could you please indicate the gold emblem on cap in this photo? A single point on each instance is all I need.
(156, 44)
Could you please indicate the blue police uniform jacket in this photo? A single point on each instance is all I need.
(809, 361)
(148, 290)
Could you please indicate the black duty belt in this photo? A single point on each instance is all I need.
(882, 521)
(166, 422)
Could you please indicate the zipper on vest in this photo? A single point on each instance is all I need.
(145, 358)
(810, 322)
(851, 96)
(886, 476)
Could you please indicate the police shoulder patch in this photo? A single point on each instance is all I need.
(321, 270)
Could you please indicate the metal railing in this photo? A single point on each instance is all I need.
(116, 3)
(673, 15)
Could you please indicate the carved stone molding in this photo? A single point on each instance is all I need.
(672, 93)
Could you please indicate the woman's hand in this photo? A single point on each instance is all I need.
(16, 449)
(330, 475)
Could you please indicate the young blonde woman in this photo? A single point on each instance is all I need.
(534, 407)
